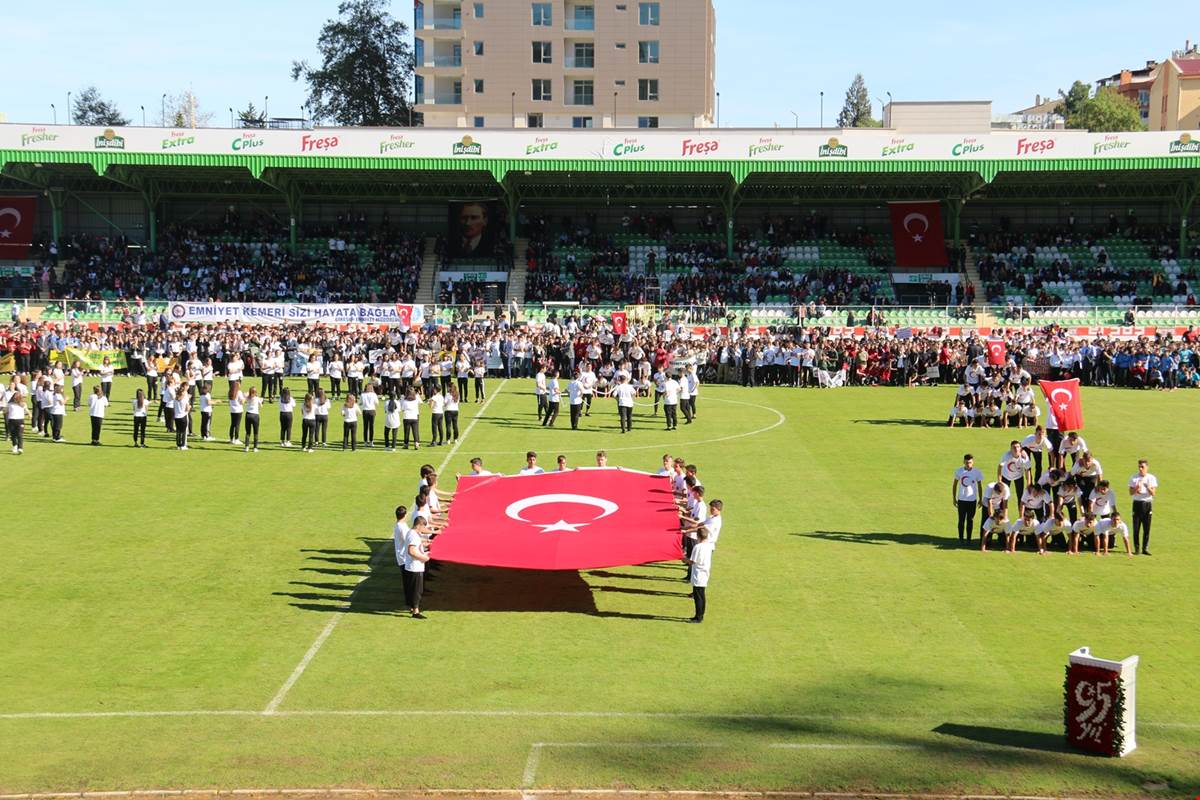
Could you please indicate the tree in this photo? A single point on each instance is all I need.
(183, 111)
(251, 117)
(92, 109)
(856, 111)
(1072, 101)
(1109, 112)
(366, 68)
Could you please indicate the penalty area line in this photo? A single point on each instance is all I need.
(310, 654)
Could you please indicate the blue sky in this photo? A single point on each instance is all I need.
(773, 56)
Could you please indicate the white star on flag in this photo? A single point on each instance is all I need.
(918, 238)
(1062, 406)
(5, 234)
(563, 525)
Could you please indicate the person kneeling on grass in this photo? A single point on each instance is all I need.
(1025, 526)
(996, 523)
(1082, 528)
(416, 555)
(1106, 529)
(1055, 526)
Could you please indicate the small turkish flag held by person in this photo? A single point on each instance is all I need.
(1065, 403)
(918, 235)
(620, 322)
(404, 314)
(581, 519)
(997, 352)
(16, 226)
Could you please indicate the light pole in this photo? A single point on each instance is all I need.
(889, 94)
(795, 119)
(143, 108)
(513, 109)
(614, 110)
(822, 109)
(68, 108)
(163, 104)
(231, 122)
(54, 111)
(266, 116)
(718, 109)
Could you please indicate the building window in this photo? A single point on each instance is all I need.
(479, 10)
(585, 55)
(543, 15)
(619, 82)
(479, 48)
(541, 53)
(647, 122)
(479, 122)
(541, 89)
(534, 121)
(584, 18)
(621, 7)
(581, 122)
(419, 52)
(648, 89)
(418, 15)
(582, 93)
(419, 89)
(620, 45)
(458, 93)
(648, 13)
(647, 52)
(478, 86)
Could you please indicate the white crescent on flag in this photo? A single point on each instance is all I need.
(1065, 405)
(607, 508)
(916, 215)
(15, 214)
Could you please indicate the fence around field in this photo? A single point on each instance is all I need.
(107, 312)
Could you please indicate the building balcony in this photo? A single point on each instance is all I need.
(579, 101)
(570, 62)
(442, 61)
(440, 100)
(580, 24)
(441, 25)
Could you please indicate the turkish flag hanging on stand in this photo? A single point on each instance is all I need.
(1065, 403)
(404, 314)
(16, 226)
(620, 323)
(582, 519)
(997, 352)
(918, 234)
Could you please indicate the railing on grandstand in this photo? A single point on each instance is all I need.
(108, 312)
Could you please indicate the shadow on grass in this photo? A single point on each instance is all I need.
(1004, 737)
(916, 423)
(888, 537)
(449, 587)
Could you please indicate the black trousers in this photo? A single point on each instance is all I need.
(322, 427)
(671, 415)
(452, 425)
(350, 435)
(181, 429)
(235, 425)
(701, 602)
(1018, 492)
(478, 390)
(308, 433)
(437, 433)
(368, 427)
(1037, 465)
(77, 395)
(205, 424)
(335, 387)
(686, 406)
(56, 422)
(576, 409)
(252, 424)
(1143, 513)
(16, 432)
(410, 431)
(139, 430)
(414, 585)
(462, 388)
(285, 426)
(107, 387)
(543, 402)
(97, 423)
(625, 416)
(390, 435)
(551, 414)
(966, 519)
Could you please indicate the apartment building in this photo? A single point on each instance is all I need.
(565, 63)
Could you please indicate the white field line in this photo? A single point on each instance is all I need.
(531, 714)
(780, 419)
(352, 792)
(380, 553)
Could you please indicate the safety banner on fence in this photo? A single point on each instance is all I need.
(90, 359)
(8, 363)
(297, 313)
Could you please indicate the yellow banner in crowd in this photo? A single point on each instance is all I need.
(90, 359)
(8, 363)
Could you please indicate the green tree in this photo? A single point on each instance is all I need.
(92, 109)
(856, 111)
(1072, 101)
(251, 117)
(366, 67)
(1109, 112)
(183, 111)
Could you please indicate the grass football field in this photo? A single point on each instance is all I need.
(218, 619)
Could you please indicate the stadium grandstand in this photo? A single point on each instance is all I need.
(766, 227)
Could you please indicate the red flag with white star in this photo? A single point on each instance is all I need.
(918, 234)
(580, 519)
(1065, 403)
(16, 226)
(997, 352)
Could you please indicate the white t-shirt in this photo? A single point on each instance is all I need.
(1031, 444)
(413, 539)
(713, 526)
(1103, 503)
(1014, 467)
(701, 558)
(1141, 487)
(530, 471)
(1088, 472)
(671, 392)
(96, 405)
(411, 409)
(969, 481)
(1020, 528)
(625, 394)
(350, 414)
(1065, 446)
(437, 403)
(993, 493)
(399, 534)
(369, 401)
(1107, 526)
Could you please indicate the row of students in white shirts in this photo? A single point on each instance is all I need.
(1101, 530)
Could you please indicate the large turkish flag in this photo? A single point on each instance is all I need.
(1065, 403)
(997, 352)
(918, 235)
(16, 226)
(580, 519)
